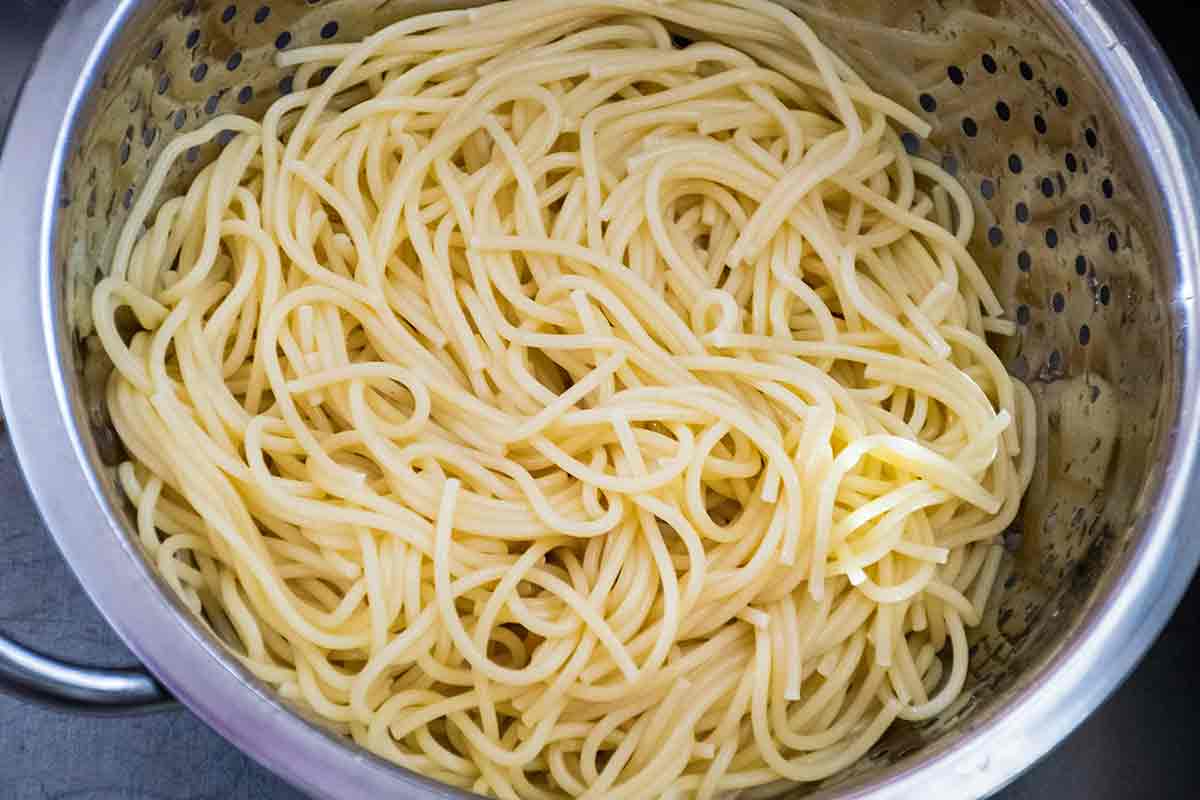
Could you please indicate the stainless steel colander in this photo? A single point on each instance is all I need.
(1070, 132)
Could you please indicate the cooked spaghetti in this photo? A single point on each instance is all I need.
(574, 398)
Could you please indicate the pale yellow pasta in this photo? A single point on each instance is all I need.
(580, 398)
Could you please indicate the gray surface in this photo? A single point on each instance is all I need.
(50, 754)
(1137, 745)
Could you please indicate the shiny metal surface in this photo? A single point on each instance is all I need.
(78, 687)
(1096, 565)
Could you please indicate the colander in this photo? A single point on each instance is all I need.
(1062, 119)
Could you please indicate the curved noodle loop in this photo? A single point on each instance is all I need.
(561, 401)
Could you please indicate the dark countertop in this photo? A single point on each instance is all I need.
(1141, 743)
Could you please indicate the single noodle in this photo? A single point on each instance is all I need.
(575, 398)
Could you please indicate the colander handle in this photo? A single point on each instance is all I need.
(76, 687)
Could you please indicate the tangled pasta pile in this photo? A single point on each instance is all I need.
(574, 398)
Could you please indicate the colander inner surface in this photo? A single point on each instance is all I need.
(1016, 115)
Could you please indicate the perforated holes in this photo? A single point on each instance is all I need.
(1039, 124)
(1105, 295)
(912, 145)
(127, 200)
(1106, 186)
(261, 15)
(1089, 136)
(987, 188)
(1071, 162)
(156, 51)
(1047, 187)
(192, 154)
(928, 103)
(955, 74)
(178, 118)
(1058, 302)
(1113, 242)
(1061, 97)
(210, 105)
(244, 95)
(148, 136)
(989, 63)
(163, 83)
(234, 61)
(1014, 164)
(228, 14)
(224, 137)
(1026, 71)
(1051, 238)
(1022, 212)
(1085, 335)
(1080, 265)
(1055, 360)
(1085, 214)
(285, 85)
(995, 236)
(283, 40)
(1024, 261)
(193, 38)
(124, 152)
(970, 128)
(1003, 111)
(1020, 370)
(329, 30)
(1022, 314)
(199, 71)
